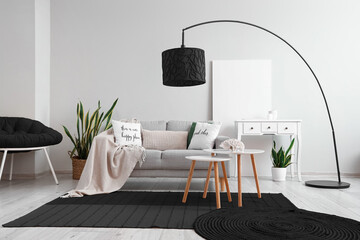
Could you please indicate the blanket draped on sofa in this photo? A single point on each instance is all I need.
(108, 166)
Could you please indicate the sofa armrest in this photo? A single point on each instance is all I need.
(219, 140)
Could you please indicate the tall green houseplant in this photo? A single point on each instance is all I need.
(88, 127)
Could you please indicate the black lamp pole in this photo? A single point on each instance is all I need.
(186, 67)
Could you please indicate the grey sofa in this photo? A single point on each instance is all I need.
(172, 163)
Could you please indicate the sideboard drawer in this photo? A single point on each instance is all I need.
(287, 128)
(269, 127)
(252, 128)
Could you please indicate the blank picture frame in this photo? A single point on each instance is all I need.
(241, 90)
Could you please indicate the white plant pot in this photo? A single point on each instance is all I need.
(278, 174)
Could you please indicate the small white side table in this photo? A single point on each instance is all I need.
(250, 152)
(211, 160)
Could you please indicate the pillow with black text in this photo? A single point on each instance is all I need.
(204, 135)
(127, 133)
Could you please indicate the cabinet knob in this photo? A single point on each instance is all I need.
(268, 127)
(286, 128)
(251, 128)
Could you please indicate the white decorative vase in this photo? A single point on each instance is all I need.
(272, 115)
(278, 174)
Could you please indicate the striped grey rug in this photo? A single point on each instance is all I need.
(138, 209)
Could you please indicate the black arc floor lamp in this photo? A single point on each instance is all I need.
(184, 67)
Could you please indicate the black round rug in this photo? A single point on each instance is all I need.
(261, 224)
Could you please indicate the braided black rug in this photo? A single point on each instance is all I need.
(274, 223)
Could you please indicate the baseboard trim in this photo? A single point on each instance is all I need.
(63, 171)
(5, 176)
(330, 174)
(39, 175)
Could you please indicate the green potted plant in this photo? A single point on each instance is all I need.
(87, 128)
(280, 160)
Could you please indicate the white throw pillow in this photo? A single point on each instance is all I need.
(127, 133)
(204, 135)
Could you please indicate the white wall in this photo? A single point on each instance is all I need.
(25, 71)
(17, 70)
(42, 73)
(109, 49)
(17, 58)
(42, 61)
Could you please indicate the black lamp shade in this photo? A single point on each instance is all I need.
(183, 67)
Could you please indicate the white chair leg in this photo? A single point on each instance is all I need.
(51, 167)
(3, 163)
(11, 166)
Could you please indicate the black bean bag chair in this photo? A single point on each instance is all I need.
(18, 132)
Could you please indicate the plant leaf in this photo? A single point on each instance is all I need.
(77, 119)
(81, 114)
(72, 152)
(81, 111)
(282, 159)
(288, 161)
(97, 123)
(87, 120)
(291, 145)
(92, 118)
(108, 123)
(111, 109)
(274, 157)
(69, 135)
(279, 153)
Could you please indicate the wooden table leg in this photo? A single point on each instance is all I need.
(239, 180)
(222, 184)
(255, 175)
(188, 181)
(216, 169)
(207, 180)
(226, 182)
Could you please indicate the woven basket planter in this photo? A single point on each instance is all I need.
(78, 166)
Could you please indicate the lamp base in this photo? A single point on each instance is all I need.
(327, 184)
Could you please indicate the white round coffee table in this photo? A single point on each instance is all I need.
(211, 160)
(238, 154)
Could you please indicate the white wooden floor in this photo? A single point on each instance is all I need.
(19, 197)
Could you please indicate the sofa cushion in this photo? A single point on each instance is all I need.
(175, 159)
(178, 125)
(126, 133)
(204, 135)
(154, 125)
(152, 160)
(152, 154)
(163, 140)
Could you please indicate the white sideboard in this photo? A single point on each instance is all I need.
(291, 128)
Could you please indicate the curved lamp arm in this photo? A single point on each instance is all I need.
(302, 58)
